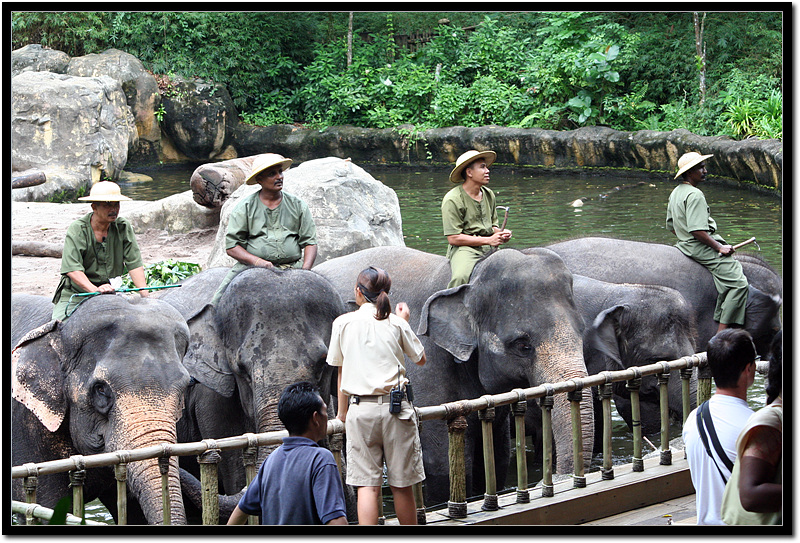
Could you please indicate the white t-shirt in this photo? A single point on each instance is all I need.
(730, 415)
(373, 351)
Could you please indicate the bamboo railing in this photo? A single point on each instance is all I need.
(208, 450)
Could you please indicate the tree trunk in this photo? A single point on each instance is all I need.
(350, 40)
(700, 47)
(37, 248)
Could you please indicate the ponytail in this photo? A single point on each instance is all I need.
(374, 284)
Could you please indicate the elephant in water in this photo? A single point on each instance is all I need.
(514, 325)
(108, 378)
(622, 261)
(271, 328)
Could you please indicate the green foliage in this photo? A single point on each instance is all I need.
(556, 70)
(166, 272)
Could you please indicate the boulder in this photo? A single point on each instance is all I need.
(198, 118)
(80, 126)
(35, 58)
(212, 183)
(139, 86)
(351, 209)
(175, 214)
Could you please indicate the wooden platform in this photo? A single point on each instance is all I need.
(658, 496)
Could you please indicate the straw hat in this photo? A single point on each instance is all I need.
(104, 191)
(267, 160)
(468, 157)
(689, 161)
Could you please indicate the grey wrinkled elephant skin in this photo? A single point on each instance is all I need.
(513, 325)
(108, 378)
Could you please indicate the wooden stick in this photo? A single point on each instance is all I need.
(742, 244)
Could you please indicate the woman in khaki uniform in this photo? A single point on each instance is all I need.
(689, 218)
(367, 345)
(269, 228)
(469, 215)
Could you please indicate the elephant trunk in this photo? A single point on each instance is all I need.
(561, 359)
(146, 425)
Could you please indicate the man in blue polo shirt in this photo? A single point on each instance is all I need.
(299, 483)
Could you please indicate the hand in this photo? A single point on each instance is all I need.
(402, 311)
(261, 263)
(505, 235)
(106, 289)
(342, 416)
(726, 250)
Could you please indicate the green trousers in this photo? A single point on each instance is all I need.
(730, 282)
(462, 261)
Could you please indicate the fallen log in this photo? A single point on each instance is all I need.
(37, 248)
(28, 180)
(212, 183)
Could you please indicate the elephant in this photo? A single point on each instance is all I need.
(514, 325)
(108, 378)
(623, 261)
(271, 328)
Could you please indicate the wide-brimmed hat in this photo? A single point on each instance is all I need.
(267, 160)
(470, 156)
(104, 191)
(689, 161)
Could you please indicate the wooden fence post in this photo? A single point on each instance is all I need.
(30, 483)
(575, 397)
(209, 483)
(486, 417)
(519, 408)
(163, 468)
(546, 403)
(76, 479)
(606, 390)
(121, 475)
(249, 457)
(457, 505)
(663, 381)
(633, 386)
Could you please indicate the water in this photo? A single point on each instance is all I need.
(540, 213)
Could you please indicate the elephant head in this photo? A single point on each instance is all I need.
(108, 378)
(518, 315)
(642, 325)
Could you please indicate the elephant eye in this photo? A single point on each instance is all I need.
(102, 397)
(521, 346)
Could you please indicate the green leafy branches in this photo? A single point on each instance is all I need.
(166, 272)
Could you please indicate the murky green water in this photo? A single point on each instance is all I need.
(540, 213)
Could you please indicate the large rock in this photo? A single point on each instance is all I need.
(35, 58)
(139, 86)
(351, 209)
(199, 117)
(62, 123)
(175, 214)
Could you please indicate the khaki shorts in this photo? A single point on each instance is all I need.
(375, 436)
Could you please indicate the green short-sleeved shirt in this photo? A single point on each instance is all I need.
(277, 235)
(100, 261)
(687, 212)
(463, 215)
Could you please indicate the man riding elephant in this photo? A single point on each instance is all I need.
(689, 218)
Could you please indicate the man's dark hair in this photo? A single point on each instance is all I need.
(729, 353)
(775, 371)
(297, 403)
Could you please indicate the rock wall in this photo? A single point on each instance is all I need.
(756, 162)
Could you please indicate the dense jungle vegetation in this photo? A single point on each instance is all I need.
(715, 73)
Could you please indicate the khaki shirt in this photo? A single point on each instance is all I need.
(371, 351)
(463, 215)
(100, 261)
(687, 212)
(277, 235)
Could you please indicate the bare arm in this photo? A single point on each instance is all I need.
(137, 276)
(498, 238)
(341, 521)
(79, 279)
(759, 461)
(342, 397)
(404, 312)
(309, 255)
(703, 237)
(238, 253)
(237, 517)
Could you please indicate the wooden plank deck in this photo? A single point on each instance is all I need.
(658, 496)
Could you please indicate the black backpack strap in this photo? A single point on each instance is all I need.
(704, 419)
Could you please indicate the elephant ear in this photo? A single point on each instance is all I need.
(37, 381)
(205, 358)
(604, 335)
(447, 321)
